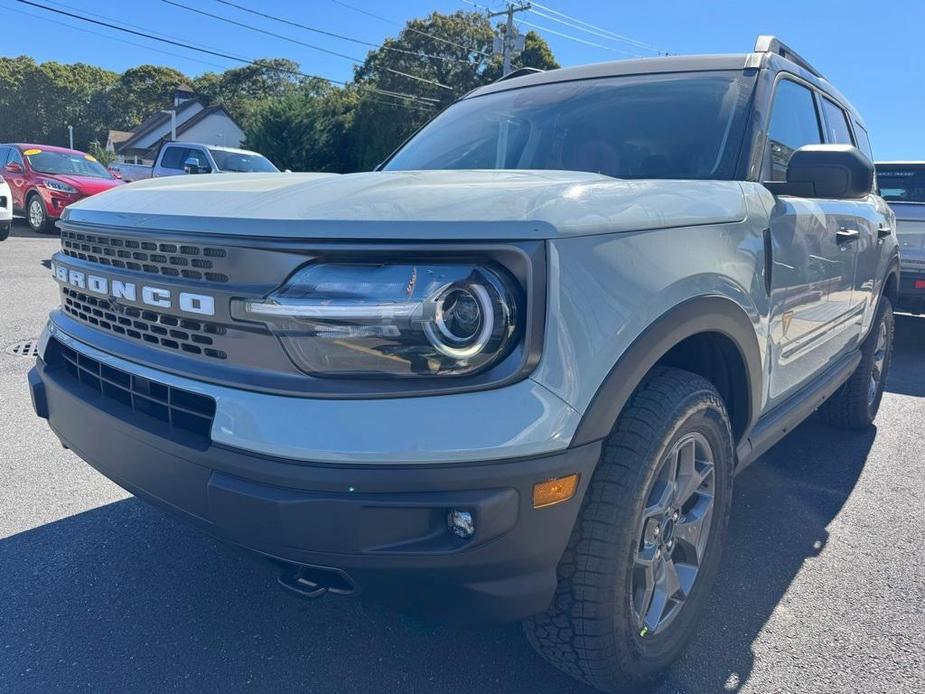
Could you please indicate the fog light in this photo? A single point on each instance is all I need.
(460, 523)
(554, 491)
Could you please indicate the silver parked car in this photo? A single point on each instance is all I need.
(902, 185)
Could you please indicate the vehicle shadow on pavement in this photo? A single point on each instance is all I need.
(907, 377)
(124, 598)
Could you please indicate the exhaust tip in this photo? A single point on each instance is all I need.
(313, 582)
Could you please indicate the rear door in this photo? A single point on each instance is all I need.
(870, 217)
(813, 318)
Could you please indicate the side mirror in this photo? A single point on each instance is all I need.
(837, 172)
(192, 166)
(13, 167)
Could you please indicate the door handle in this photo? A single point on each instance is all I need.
(883, 232)
(846, 235)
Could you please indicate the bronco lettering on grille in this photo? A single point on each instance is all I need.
(201, 304)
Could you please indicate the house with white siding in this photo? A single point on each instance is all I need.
(189, 120)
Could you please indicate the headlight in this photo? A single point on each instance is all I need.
(59, 186)
(401, 319)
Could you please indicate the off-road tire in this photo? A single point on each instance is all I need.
(850, 407)
(590, 631)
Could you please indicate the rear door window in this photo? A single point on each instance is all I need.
(794, 123)
(837, 130)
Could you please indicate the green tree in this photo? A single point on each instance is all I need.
(139, 93)
(437, 59)
(243, 90)
(307, 129)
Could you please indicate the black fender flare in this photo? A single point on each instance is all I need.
(706, 314)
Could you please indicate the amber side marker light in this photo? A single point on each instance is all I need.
(554, 491)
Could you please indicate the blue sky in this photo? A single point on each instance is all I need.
(871, 51)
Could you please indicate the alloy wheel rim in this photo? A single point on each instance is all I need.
(673, 533)
(36, 214)
(876, 371)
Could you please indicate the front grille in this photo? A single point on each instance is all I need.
(189, 261)
(180, 409)
(182, 334)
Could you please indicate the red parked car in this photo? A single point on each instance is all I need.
(44, 180)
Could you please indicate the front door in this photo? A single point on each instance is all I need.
(814, 316)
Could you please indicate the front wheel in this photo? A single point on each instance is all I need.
(37, 216)
(5, 228)
(647, 543)
(855, 404)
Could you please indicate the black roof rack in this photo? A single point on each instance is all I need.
(772, 44)
(519, 72)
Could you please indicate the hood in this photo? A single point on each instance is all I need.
(413, 204)
(88, 185)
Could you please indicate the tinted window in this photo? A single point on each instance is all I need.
(837, 130)
(173, 158)
(653, 126)
(242, 162)
(863, 140)
(793, 124)
(901, 183)
(66, 163)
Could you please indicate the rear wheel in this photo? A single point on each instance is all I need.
(36, 214)
(647, 543)
(855, 404)
(5, 228)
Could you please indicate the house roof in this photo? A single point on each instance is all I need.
(190, 122)
(155, 121)
(119, 136)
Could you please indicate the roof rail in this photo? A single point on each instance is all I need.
(772, 44)
(519, 72)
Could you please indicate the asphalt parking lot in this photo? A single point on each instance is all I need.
(822, 588)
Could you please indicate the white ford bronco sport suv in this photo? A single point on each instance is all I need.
(510, 374)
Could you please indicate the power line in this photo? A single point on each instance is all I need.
(114, 38)
(330, 33)
(262, 31)
(218, 54)
(300, 43)
(575, 38)
(411, 29)
(591, 28)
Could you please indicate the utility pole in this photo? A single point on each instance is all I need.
(70, 135)
(507, 44)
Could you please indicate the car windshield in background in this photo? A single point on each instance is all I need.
(238, 162)
(66, 164)
(901, 183)
(684, 125)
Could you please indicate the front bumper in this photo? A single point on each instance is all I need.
(382, 527)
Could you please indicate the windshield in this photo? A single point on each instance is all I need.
(683, 125)
(901, 183)
(65, 163)
(240, 162)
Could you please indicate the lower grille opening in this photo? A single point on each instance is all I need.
(178, 408)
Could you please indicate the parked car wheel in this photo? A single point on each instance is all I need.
(647, 543)
(855, 404)
(36, 214)
(5, 228)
